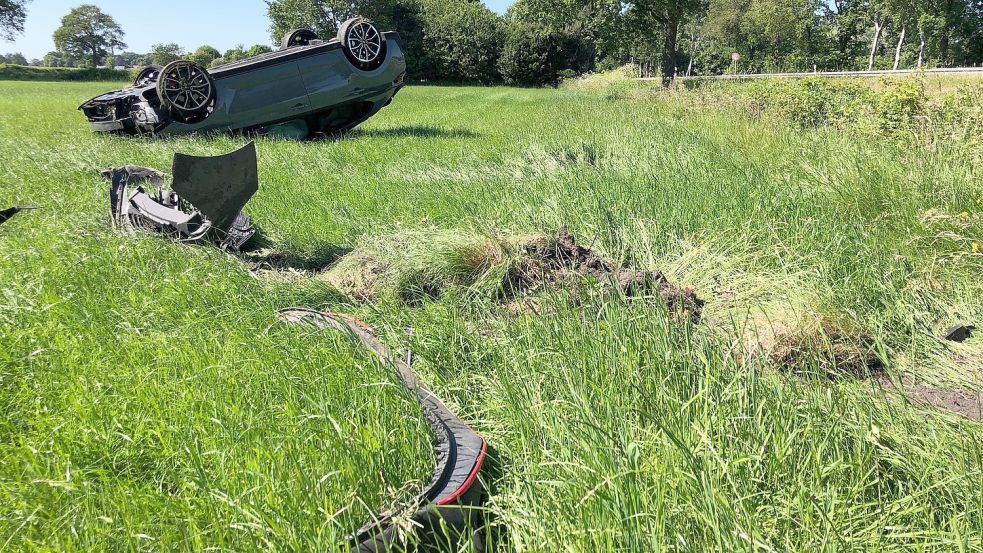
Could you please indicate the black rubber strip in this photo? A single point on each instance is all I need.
(6, 214)
(452, 503)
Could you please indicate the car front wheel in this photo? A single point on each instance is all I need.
(187, 90)
(364, 45)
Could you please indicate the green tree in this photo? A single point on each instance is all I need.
(58, 59)
(13, 13)
(462, 41)
(128, 59)
(88, 33)
(846, 23)
(598, 24)
(205, 55)
(258, 49)
(163, 54)
(535, 56)
(234, 54)
(772, 35)
(321, 16)
(667, 16)
(16, 59)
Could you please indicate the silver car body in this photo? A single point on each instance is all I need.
(315, 83)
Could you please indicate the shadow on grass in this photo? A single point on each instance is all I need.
(261, 253)
(418, 131)
(315, 262)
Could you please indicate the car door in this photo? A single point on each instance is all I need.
(328, 76)
(266, 93)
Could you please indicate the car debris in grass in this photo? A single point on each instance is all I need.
(959, 333)
(451, 505)
(6, 214)
(205, 201)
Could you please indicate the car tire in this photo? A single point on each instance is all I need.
(187, 90)
(147, 75)
(298, 37)
(363, 44)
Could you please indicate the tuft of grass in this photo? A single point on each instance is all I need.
(414, 265)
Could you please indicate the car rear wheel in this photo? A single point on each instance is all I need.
(147, 75)
(364, 45)
(187, 90)
(298, 37)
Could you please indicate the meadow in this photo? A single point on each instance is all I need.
(151, 401)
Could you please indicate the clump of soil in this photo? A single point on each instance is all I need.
(833, 351)
(551, 260)
(803, 343)
(418, 264)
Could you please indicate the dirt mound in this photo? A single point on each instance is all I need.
(831, 350)
(559, 259)
(803, 342)
(415, 265)
(961, 402)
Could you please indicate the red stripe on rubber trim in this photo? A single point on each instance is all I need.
(471, 477)
(363, 325)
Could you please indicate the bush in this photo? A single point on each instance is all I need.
(958, 119)
(898, 105)
(26, 73)
(461, 42)
(892, 108)
(536, 57)
(897, 109)
(810, 102)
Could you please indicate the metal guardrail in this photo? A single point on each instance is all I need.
(887, 73)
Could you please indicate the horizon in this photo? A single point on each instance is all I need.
(243, 22)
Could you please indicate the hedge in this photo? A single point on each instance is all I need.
(26, 73)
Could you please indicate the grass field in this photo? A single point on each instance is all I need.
(150, 401)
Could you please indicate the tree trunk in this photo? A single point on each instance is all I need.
(944, 46)
(897, 51)
(873, 47)
(921, 47)
(692, 53)
(669, 51)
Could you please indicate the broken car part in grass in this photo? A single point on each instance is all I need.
(451, 505)
(205, 201)
(328, 86)
(6, 214)
(959, 333)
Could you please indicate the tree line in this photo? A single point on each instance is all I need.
(539, 42)
(160, 54)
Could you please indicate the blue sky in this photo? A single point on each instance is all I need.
(190, 23)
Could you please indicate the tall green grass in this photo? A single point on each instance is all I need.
(151, 402)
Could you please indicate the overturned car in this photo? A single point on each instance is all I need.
(328, 86)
